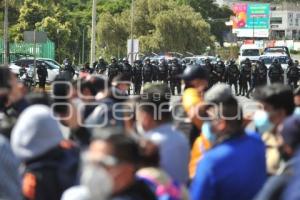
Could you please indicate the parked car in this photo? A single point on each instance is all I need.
(268, 59)
(53, 69)
(283, 50)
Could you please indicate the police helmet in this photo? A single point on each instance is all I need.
(193, 72)
(113, 59)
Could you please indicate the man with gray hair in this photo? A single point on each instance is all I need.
(236, 158)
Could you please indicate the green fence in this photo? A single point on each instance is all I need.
(22, 49)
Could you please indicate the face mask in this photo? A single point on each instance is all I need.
(98, 181)
(139, 128)
(297, 111)
(262, 121)
(208, 134)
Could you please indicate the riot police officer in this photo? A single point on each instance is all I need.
(245, 76)
(68, 68)
(292, 74)
(101, 66)
(147, 71)
(261, 72)
(113, 69)
(163, 71)
(219, 72)
(42, 75)
(155, 70)
(209, 67)
(137, 72)
(87, 69)
(174, 72)
(232, 75)
(22, 70)
(276, 72)
(126, 69)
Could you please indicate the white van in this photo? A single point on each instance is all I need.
(250, 51)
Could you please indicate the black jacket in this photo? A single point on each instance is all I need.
(138, 191)
(49, 175)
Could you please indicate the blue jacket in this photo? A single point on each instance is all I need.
(234, 169)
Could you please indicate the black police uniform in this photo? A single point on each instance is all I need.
(218, 72)
(137, 72)
(209, 67)
(155, 70)
(175, 81)
(245, 77)
(293, 75)
(276, 72)
(126, 70)
(42, 75)
(163, 71)
(113, 70)
(261, 72)
(147, 72)
(232, 75)
(101, 66)
(69, 70)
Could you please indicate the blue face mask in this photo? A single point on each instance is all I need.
(208, 134)
(262, 121)
(297, 111)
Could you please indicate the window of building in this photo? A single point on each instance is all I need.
(290, 19)
(276, 20)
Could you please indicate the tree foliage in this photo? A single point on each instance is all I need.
(160, 26)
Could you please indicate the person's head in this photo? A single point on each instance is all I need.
(290, 62)
(196, 76)
(147, 60)
(149, 154)
(121, 82)
(275, 61)
(113, 59)
(153, 106)
(291, 136)
(88, 90)
(35, 133)
(297, 97)
(125, 60)
(247, 60)
(174, 61)
(9, 88)
(119, 156)
(277, 101)
(207, 61)
(223, 114)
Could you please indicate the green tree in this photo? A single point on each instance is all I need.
(214, 15)
(159, 25)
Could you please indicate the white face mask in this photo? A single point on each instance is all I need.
(98, 182)
(140, 129)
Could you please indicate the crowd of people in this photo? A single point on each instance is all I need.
(90, 140)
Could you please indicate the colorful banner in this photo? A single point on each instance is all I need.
(251, 19)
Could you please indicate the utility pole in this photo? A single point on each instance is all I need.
(131, 34)
(82, 58)
(5, 38)
(93, 36)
